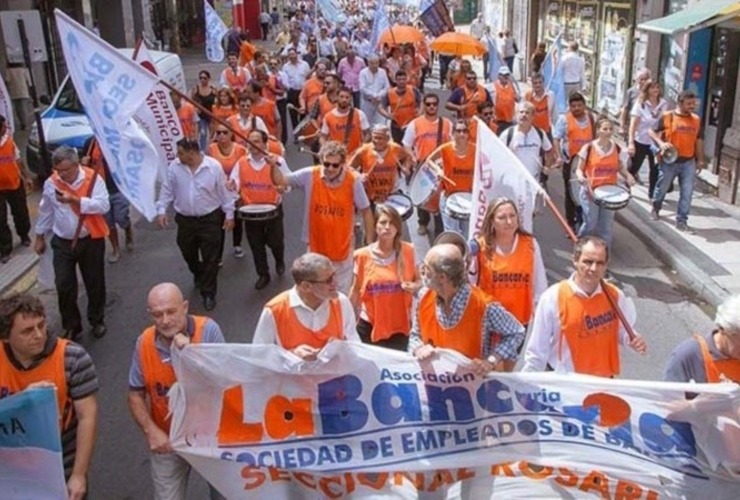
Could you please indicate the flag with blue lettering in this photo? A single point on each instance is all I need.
(111, 88)
(380, 24)
(30, 446)
(215, 32)
(552, 72)
(494, 59)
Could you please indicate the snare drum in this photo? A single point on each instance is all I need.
(401, 203)
(458, 206)
(258, 212)
(611, 196)
(424, 186)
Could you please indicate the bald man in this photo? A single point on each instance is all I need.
(151, 376)
(453, 314)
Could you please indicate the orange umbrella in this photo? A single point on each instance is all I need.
(400, 33)
(458, 44)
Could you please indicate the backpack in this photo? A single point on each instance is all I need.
(510, 135)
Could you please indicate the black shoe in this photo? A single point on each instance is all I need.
(209, 303)
(4, 258)
(262, 282)
(71, 333)
(26, 242)
(98, 331)
(280, 268)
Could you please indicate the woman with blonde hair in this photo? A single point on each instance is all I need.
(509, 262)
(645, 114)
(225, 105)
(385, 280)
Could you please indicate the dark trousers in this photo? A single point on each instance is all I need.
(89, 255)
(397, 133)
(573, 213)
(265, 30)
(397, 341)
(262, 234)
(509, 62)
(425, 217)
(356, 99)
(643, 151)
(444, 64)
(282, 105)
(199, 240)
(236, 236)
(293, 99)
(16, 199)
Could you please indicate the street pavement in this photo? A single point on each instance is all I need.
(668, 310)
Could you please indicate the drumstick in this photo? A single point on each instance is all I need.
(440, 172)
(309, 152)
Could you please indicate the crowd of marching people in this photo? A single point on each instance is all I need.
(386, 146)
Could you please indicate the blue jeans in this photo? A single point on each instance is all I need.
(597, 221)
(686, 173)
(203, 133)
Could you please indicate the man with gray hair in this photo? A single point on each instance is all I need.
(374, 86)
(305, 318)
(529, 143)
(710, 358)
(453, 314)
(73, 205)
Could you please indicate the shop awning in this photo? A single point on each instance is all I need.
(700, 15)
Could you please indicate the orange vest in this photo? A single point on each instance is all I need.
(601, 169)
(50, 369)
(186, 114)
(95, 223)
(96, 159)
(473, 128)
(236, 81)
(235, 122)
(10, 175)
(465, 337)
(381, 181)
(425, 135)
(311, 91)
(403, 107)
(509, 279)
(275, 147)
(387, 305)
(256, 185)
(270, 87)
(227, 161)
(246, 52)
(223, 112)
(458, 169)
(577, 136)
(505, 102)
(331, 216)
(292, 333)
(325, 105)
(265, 109)
(717, 368)
(337, 130)
(159, 376)
(590, 326)
(541, 118)
(682, 131)
(471, 99)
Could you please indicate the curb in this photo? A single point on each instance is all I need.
(21, 277)
(672, 251)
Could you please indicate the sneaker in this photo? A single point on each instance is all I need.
(238, 252)
(654, 214)
(422, 231)
(683, 227)
(114, 257)
(26, 242)
(4, 258)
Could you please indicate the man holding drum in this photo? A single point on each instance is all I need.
(333, 193)
(260, 206)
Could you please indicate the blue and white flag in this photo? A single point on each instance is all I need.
(330, 10)
(380, 24)
(215, 32)
(552, 72)
(30, 446)
(111, 88)
(494, 59)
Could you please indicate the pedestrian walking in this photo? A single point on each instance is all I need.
(574, 70)
(18, 82)
(14, 180)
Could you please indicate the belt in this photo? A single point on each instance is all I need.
(571, 83)
(200, 217)
(69, 240)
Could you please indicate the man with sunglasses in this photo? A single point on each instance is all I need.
(465, 99)
(333, 193)
(487, 115)
(505, 96)
(423, 135)
(305, 318)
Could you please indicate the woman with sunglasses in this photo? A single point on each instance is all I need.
(509, 263)
(385, 280)
(204, 93)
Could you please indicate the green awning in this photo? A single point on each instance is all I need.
(701, 15)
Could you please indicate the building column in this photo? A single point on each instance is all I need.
(116, 23)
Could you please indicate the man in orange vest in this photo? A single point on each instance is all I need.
(73, 205)
(151, 376)
(710, 358)
(453, 314)
(401, 105)
(187, 116)
(234, 76)
(345, 124)
(576, 329)
(264, 108)
(14, 179)
(465, 99)
(504, 96)
(30, 357)
(314, 312)
(487, 115)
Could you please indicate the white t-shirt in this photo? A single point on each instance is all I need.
(648, 118)
(527, 147)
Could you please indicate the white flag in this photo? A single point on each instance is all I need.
(111, 88)
(215, 32)
(499, 173)
(158, 116)
(6, 106)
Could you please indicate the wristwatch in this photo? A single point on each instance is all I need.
(492, 359)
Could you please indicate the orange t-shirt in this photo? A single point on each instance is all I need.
(541, 118)
(381, 181)
(715, 369)
(577, 136)
(403, 107)
(95, 223)
(682, 131)
(227, 161)
(337, 125)
(10, 175)
(311, 91)
(265, 109)
(223, 112)
(505, 102)
(291, 332)
(601, 169)
(325, 105)
(186, 114)
(465, 337)
(590, 326)
(509, 279)
(387, 305)
(425, 135)
(158, 375)
(473, 128)
(471, 99)
(255, 186)
(331, 216)
(457, 168)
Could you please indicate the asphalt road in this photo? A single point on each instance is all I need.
(667, 313)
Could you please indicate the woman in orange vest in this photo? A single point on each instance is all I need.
(385, 280)
(600, 162)
(508, 262)
(225, 106)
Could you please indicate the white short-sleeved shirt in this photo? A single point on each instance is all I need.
(649, 116)
(527, 147)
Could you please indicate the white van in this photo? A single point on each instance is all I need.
(65, 122)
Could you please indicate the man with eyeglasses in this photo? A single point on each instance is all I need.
(487, 115)
(244, 121)
(423, 135)
(312, 313)
(332, 194)
(465, 99)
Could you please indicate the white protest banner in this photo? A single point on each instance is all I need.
(215, 32)
(30, 446)
(499, 173)
(111, 88)
(158, 116)
(363, 421)
(6, 106)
